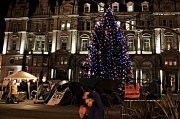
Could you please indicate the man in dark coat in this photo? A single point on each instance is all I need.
(93, 100)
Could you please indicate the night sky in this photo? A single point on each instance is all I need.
(3, 12)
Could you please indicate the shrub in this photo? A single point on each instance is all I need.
(156, 109)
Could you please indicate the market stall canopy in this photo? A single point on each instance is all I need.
(21, 75)
(18, 76)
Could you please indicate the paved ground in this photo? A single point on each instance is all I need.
(29, 110)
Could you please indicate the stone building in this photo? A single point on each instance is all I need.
(52, 39)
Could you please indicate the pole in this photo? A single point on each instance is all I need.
(37, 84)
(28, 83)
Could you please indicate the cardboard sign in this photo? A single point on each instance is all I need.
(56, 98)
(132, 91)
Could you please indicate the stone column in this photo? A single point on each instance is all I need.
(5, 42)
(157, 40)
(23, 39)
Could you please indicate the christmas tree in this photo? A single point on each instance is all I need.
(108, 53)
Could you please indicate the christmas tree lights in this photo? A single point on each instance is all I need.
(108, 53)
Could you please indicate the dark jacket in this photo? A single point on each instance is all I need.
(151, 96)
(97, 109)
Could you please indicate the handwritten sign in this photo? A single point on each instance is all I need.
(56, 98)
(132, 91)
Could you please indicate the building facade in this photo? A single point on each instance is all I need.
(52, 39)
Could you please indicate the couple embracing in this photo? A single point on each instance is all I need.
(96, 107)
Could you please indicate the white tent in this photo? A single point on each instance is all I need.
(19, 76)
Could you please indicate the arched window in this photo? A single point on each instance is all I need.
(146, 42)
(84, 42)
(130, 42)
(169, 41)
(64, 39)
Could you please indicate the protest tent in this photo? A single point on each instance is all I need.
(66, 94)
(20, 75)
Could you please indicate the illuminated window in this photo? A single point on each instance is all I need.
(146, 44)
(130, 39)
(62, 25)
(130, 6)
(132, 26)
(87, 7)
(101, 7)
(175, 62)
(65, 60)
(65, 25)
(68, 26)
(170, 61)
(166, 61)
(169, 43)
(62, 60)
(127, 25)
(84, 42)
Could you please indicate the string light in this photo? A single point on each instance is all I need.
(108, 55)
